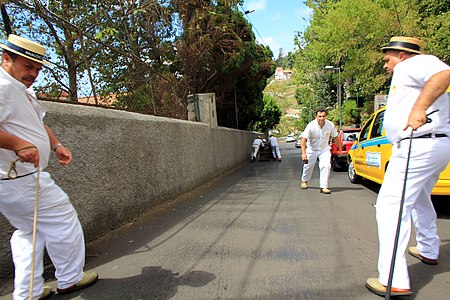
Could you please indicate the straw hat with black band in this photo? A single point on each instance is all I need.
(25, 48)
(404, 43)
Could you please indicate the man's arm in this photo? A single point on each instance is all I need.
(25, 151)
(304, 156)
(435, 86)
(337, 141)
(62, 152)
(53, 140)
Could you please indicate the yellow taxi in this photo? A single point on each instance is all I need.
(369, 157)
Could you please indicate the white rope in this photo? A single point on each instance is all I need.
(33, 254)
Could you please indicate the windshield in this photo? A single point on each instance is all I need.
(351, 136)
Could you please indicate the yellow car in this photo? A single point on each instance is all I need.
(369, 157)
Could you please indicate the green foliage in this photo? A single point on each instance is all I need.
(218, 53)
(350, 113)
(285, 61)
(153, 54)
(270, 115)
(139, 100)
(349, 34)
(366, 111)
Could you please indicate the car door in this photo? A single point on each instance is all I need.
(359, 156)
(377, 150)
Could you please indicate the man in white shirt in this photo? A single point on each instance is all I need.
(315, 145)
(25, 144)
(256, 145)
(417, 91)
(275, 147)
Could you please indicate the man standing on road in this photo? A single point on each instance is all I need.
(315, 145)
(417, 89)
(25, 144)
(275, 147)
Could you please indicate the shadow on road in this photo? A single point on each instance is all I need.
(421, 275)
(154, 283)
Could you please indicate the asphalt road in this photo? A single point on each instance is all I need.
(254, 234)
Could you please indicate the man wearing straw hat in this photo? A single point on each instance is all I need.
(417, 92)
(25, 146)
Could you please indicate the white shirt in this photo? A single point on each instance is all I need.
(408, 80)
(257, 142)
(273, 141)
(21, 115)
(318, 138)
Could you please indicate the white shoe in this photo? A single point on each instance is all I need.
(325, 191)
(89, 278)
(47, 293)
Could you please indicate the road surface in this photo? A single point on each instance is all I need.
(254, 234)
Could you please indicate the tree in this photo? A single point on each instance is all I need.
(151, 54)
(57, 26)
(286, 62)
(270, 115)
(143, 74)
(218, 53)
(350, 33)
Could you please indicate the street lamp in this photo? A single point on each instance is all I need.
(339, 92)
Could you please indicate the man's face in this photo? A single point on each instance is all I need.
(23, 69)
(391, 59)
(320, 117)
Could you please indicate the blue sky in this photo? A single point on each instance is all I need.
(276, 21)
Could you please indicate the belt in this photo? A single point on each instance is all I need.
(426, 136)
(17, 177)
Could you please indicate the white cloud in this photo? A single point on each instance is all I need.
(257, 4)
(284, 41)
(272, 43)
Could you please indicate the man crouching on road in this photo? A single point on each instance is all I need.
(25, 144)
(315, 145)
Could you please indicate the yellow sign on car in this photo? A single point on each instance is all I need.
(369, 156)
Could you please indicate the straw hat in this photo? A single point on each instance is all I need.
(25, 48)
(404, 43)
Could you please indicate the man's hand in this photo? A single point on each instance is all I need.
(340, 152)
(28, 154)
(64, 155)
(416, 119)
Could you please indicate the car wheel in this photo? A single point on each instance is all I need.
(352, 176)
(335, 165)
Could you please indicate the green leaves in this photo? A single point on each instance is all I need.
(106, 33)
(350, 33)
(270, 115)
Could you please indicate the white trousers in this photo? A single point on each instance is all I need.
(429, 157)
(58, 230)
(276, 151)
(255, 151)
(324, 166)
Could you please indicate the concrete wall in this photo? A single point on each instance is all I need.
(127, 163)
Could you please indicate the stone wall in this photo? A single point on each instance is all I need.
(127, 163)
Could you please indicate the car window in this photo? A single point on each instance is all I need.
(377, 128)
(351, 136)
(365, 131)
